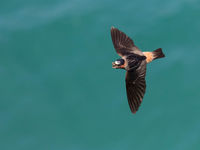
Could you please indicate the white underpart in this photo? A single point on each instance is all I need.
(117, 62)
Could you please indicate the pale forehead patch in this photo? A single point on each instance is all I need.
(117, 62)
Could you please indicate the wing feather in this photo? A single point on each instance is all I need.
(136, 86)
(123, 44)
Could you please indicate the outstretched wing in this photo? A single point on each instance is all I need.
(123, 44)
(136, 86)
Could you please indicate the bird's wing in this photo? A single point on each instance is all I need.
(136, 86)
(123, 44)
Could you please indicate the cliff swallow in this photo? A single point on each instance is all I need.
(134, 61)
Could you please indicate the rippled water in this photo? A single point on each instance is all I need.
(59, 92)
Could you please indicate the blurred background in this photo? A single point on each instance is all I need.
(59, 92)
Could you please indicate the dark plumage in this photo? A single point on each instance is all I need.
(135, 62)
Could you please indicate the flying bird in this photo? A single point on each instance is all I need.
(134, 61)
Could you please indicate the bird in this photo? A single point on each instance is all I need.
(134, 61)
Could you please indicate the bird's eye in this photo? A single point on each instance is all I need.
(117, 62)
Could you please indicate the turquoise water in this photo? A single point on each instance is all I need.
(59, 92)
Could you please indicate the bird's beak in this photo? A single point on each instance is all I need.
(114, 65)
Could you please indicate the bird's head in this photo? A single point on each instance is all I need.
(118, 64)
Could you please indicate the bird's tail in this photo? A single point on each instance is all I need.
(158, 53)
(150, 56)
